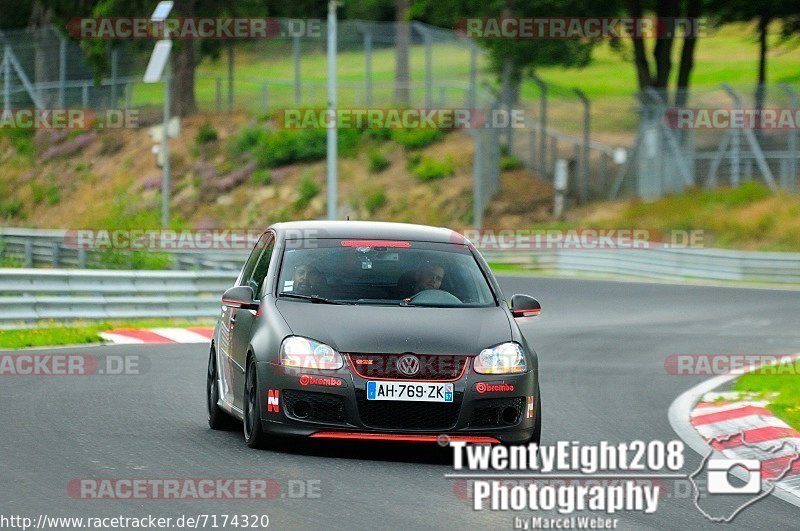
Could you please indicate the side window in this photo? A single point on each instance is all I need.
(260, 271)
(250, 265)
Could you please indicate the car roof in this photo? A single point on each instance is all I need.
(371, 230)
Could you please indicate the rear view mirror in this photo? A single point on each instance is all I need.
(525, 306)
(239, 297)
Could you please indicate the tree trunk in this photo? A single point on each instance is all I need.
(693, 10)
(666, 11)
(183, 64)
(402, 41)
(763, 33)
(639, 52)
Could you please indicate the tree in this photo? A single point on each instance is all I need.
(787, 12)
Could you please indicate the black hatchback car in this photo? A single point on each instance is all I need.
(374, 331)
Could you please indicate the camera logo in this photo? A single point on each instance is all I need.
(719, 476)
(729, 485)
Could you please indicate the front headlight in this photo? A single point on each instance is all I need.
(506, 358)
(306, 353)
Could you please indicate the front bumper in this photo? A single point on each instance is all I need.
(333, 405)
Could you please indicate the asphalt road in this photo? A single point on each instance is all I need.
(601, 345)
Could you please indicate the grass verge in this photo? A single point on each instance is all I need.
(781, 386)
(80, 332)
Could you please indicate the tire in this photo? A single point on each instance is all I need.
(254, 434)
(217, 418)
(536, 437)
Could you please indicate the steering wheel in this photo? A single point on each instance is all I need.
(435, 296)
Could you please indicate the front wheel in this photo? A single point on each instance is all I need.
(217, 418)
(253, 432)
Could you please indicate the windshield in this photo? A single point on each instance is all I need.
(382, 272)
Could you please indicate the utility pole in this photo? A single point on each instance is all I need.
(332, 124)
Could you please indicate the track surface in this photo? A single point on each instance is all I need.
(601, 346)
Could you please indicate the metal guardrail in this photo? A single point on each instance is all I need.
(678, 263)
(47, 248)
(31, 295)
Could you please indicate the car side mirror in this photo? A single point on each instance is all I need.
(525, 306)
(239, 297)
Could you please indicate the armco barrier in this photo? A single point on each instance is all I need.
(677, 263)
(31, 295)
(46, 247)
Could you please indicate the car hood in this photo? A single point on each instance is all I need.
(397, 329)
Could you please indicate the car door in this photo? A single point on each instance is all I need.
(230, 372)
(242, 319)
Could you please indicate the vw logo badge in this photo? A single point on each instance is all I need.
(408, 365)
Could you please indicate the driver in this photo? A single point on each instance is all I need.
(429, 276)
(307, 278)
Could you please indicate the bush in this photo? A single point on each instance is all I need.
(307, 190)
(377, 161)
(416, 138)
(428, 169)
(374, 201)
(10, 208)
(277, 148)
(261, 177)
(378, 134)
(510, 162)
(206, 133)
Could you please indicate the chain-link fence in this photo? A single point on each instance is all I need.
(720, 136)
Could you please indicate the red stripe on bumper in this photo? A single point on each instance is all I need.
(401, 438)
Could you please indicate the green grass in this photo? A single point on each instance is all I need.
(610, 80)
(79, 333)
(782, 380)
(749, 217)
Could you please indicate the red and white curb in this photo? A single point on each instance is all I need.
(130, 336)
(735, 426)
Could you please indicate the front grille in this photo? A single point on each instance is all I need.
(431, 366)
(321, 407)
(408, 415)
(488, 412)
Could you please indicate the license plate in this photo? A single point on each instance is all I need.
(410, 391)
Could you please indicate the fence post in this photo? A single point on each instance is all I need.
(560, 186)
(128, 95)
(542, 125)
(85, 96)
(6, 80)
(426, 37)
(477, 170)
(368, 66)
(473, 74)
(114, 72)
(584, 158)
(230, 77)
(789, 183)
(56, 254)
(62, 70)
(296, 60)
(218, 92)
(82, 258)
(29, 252)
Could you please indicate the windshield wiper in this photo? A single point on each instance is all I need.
(312, 298)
